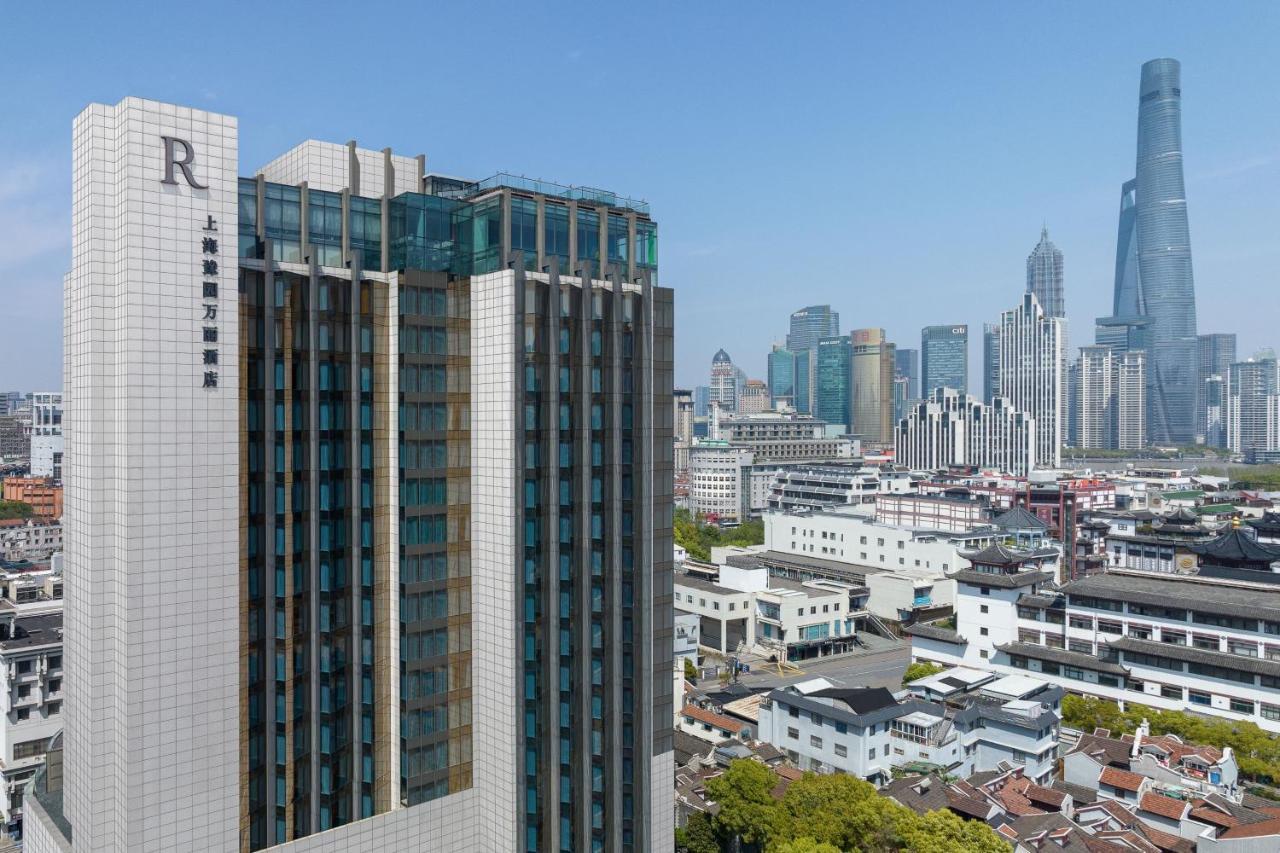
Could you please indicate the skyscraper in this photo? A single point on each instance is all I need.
(364, 555)
(906, 379)
(724, 382)
(872, 370)
(1253, 405)
(1215, 355)
(950, 428)
(1044, 276)
(782, 376)
(810, 325)
(1155, 304)
(990, 362)
(701, 400)
(944, 358)
(1032, 362)
(833, 389)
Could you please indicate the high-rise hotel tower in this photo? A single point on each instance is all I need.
(368, 505)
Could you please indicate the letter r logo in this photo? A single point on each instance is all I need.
(171, 159)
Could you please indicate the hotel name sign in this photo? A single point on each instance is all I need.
(179, 157)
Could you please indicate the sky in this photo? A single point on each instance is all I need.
(895, 160)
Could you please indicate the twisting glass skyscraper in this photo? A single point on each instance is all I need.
(1155, 298)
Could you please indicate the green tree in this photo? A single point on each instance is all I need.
(920, 669)
(806, 845)
(837, 809)
(698, 835)
(15, 509)
(690, 671)
(747, 807)
(698, 537)
(943, 831)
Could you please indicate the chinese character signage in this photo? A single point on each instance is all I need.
(209, 293)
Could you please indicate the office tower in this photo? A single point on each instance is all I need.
(46, 435)
(1154, 306)
(907, 365)
(944, 358)
(754, 397)
(990, 362)
(833, 387)
(1096, 398)
(1071, 435)
(1215, 398)
(1111, 398)
(1044, 276)
(1032, 361)
(379, 546)
(1253, 406)
(805, 362)
(951, 428)
(873, 365)
(782, 376)
(810, 325)
(906, 380)
(1215, 354)
(683, 429)
(724, 382)
(1131, 400)
(701, 400)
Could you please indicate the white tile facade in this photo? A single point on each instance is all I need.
(152, 503)
(494, 516)
(326, 166)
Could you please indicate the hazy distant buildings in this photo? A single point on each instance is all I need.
(1155, 305)
(1253, 406)
(906, 380)
(1044, 276)
(724, 382)
(1111, 399)
(782, 376)
(1215, 355)
(810, 325)
(753, 397)
(874, 363)
(701, 400)
(833, 387)
(682, 429)
(944, 358)
(1032, 363)
(951, 428)
(990, 361)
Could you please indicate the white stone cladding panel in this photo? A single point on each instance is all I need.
(152, 503)
(327, 165)
(662, 814)
(494, 563)
(446, 825)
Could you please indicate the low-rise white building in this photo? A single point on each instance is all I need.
(29, 538)
(718, 480)
(867, 731)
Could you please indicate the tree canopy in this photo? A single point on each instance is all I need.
(1257, 752)
(836, 813)
(921, 669)
(698, 537)
(15, 509)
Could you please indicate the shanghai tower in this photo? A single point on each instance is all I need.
(1155, 300)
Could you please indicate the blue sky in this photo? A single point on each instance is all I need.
(895, 160)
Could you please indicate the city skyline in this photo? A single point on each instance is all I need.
(937, 186)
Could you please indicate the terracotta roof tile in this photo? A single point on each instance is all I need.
(720, 721)
(1047, 796)
(1162, 805)
(1122, 779)
(1254, 830)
